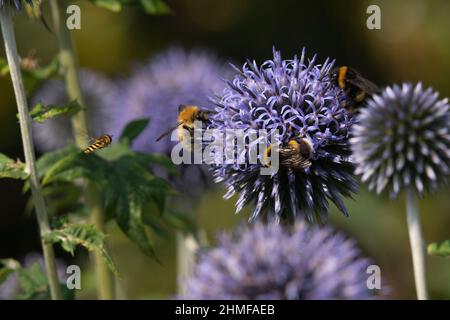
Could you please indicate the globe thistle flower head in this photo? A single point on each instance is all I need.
(15, 4)
(402, 140)
(271, 262)
(156, 89)
(100, 97)
(296, 98)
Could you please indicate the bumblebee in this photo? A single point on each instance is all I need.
(99, 143)
(295, 155)
(187, 115)
(355, 86)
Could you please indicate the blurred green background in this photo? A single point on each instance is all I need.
(413, 45)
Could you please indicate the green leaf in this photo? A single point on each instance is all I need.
(33, 283)
(9, 267)
(149, 6)
(70, 236)
(41, 112)
(155, 6)
(133, 129)
(47, 160)
(78, 165)
(439, 248)
(32, 280)
(4, 273)
(12, 169)
(130, 188)
(113, 5)
(136, 230)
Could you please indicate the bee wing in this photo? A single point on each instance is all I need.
(367, 85)
(168, 131)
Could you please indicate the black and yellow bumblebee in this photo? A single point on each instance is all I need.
(187, 116)
(356, 87)
(296, 154)
(99, 143)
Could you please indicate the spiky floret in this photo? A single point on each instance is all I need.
(271, 262)
(403, 140)
(296, 98)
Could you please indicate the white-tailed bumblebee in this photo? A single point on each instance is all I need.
(187, 115)
(295, 155)
(356, 87)
(99, 143)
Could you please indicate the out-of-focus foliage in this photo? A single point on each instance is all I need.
(34, 76)
(149, 6)
(413, 49)
(440, 248)
(41, 112)
(70, 236)
(32, 280)
(12, 169)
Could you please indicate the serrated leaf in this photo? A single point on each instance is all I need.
(136, 230)
(133, 129)
(13, 169)
(113, 5)
(131, 187)
(70, 236)
(41, 112)
(441, 249)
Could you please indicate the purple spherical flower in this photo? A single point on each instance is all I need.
(16, 4)
(296, 98)
(271, 262)
(402, 140)
(99, 94)
(156, 89)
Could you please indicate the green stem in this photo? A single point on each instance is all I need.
(28, 149)
(105, 283)
(80, 129)
(417, 245)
